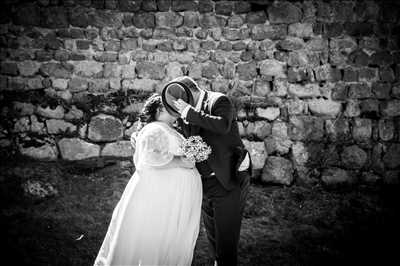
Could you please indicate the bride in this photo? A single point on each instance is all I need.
(156, 221)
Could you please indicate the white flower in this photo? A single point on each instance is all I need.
(195, 149)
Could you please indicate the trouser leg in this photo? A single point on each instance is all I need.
(222, 214)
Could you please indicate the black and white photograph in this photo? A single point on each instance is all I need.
(200, 132)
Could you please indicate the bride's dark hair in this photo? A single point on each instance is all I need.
(149, 110)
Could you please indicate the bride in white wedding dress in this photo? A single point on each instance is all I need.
(156, 221)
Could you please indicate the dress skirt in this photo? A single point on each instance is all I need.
(156, 221)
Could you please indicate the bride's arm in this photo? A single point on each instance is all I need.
(178, 162)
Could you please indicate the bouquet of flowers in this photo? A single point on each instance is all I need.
(195, 149)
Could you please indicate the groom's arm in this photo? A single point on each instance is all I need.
(219, 121)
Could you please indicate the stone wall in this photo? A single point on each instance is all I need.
(315, 83)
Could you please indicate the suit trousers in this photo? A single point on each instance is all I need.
(222, 215)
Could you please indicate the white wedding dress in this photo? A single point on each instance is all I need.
(156, 221)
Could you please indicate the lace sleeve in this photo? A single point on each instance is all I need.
(152, 147)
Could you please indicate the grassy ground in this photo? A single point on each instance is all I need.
(282, 225)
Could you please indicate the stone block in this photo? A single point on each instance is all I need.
(88, 69)
(370, 178)
(205, 6)
(269, 113)
(298, 58)
(352, 108)
(273, 68)
(297, 74)
(304, 91)
(299, 154)
(392, 156)
(323, 107)
(391, 108)
(23, 108)
(74, 149)
(169, 19)
(144, 20)
(112, 70)
(224, 8)
(106, 57)
(139, 84)
(246, 71)
(77, 84)
(381, 58)
(56, 70)
(210, 70)
(306, 128)
(190, 19)
(353, 157)
(79, 17)
(56, 126)
(256, 17)
(337, 130)
(346, 45)
(370, 108)
(241, 7)
(119, 149)
(290, 44)
(368, 74)
(150, 70)
(208, 20)
(46, 152)
(48, 112)
(360, 58)
(335, 177)
(350, 74)
(257, 153)
(28, 68)
(184, 5)
(34, 83)
(396, 90)
(381, 90)
(274, 32)
(98, 85)
(22, 125)
(323, 73)
(301, 30)
(105, 18)
(386, 129)
(362, 129)
(284, 12)
(36, 126)
(260, 129)
(296, 107)
(174, 70)
(112, 45)
(235, 21)
(277, 144)
(129, 44)
(359, 91)
(74, 114)
(278, 170)
(386, 74)
(105, 128)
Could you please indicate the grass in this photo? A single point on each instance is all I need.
(282, 225)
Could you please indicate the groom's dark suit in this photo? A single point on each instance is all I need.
(224, 189)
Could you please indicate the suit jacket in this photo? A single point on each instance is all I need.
(218, 129)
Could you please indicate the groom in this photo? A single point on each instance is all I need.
(226, 173)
